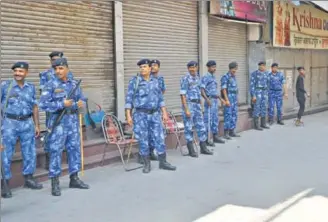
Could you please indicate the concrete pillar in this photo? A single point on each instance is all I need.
(203, 35)
(119, 60)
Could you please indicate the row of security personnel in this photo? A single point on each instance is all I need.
(145, 109)
(21, 121)
(267, 90)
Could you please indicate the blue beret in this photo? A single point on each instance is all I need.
(261, 63)
(274, 64)
(143, 62)
(156, 62)
(299, 68)
(56, 53)
(192, 64)
(211, 63)
(59, 62)
(233, 65)
(22, 65)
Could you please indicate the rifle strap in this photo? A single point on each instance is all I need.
(7, 96)
(136, 85)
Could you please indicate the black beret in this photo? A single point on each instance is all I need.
(22, 65)
(143, 62)
(59, 62)
(156, 62)
(261, 63)
(274, 64)
(56, 53)
(192, 64)
(233, 65)
(300, 67)
(211, 63)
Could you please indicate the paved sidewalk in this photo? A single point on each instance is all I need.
(279, 175)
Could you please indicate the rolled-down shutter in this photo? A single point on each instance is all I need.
(227, 43)
(30, 30)
(169, 32)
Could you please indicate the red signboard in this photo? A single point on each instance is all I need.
(243, 10)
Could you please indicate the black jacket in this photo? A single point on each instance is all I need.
(300, 91)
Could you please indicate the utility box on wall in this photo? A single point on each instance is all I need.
(255, 32)
(258, 33)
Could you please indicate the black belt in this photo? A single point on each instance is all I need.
(148, 111)
(277, 90)
(194, 100)
(232, 92)
(17, 117)
(261, 88)
(68, 112)
(213, 97)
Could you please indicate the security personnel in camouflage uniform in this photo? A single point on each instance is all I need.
(66, 134)
(45, 77)
(259, 93)
(229, 89)
(146, 98)
(191, 109)
(155, 72)
(210, 93)
(277, 90)
(20, 121)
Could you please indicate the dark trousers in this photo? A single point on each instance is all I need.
(301, 102)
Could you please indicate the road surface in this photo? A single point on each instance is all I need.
(278, 175)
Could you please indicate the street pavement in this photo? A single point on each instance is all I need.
(278, 175)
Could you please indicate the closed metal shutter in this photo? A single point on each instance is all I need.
(30, 30)
(227, 42)
(319, 77)
(168, 32)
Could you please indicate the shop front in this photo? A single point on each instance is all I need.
(30, 30)
(300, 38)
(168, 32)
(228, 37)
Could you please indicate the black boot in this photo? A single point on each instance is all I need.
(163, 164)
(55, 188)
(280, 122)
(152, 154)
(5, 190)
(204, 150)
(227, 135)
(75, 182)
(271, 122)
(263, 123)
(146, 165)
(47, 156)
(31, 183)
(191, 149)
(232, 133)
(256, 124)
(209, 143)
(217, 139)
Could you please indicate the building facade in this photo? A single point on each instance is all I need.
(300, 38)
(103, 42)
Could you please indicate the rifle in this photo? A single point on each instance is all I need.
(61, 115)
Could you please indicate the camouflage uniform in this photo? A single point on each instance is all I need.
(146, 99)
(190, 89)
(17, 105)
(66, 133)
